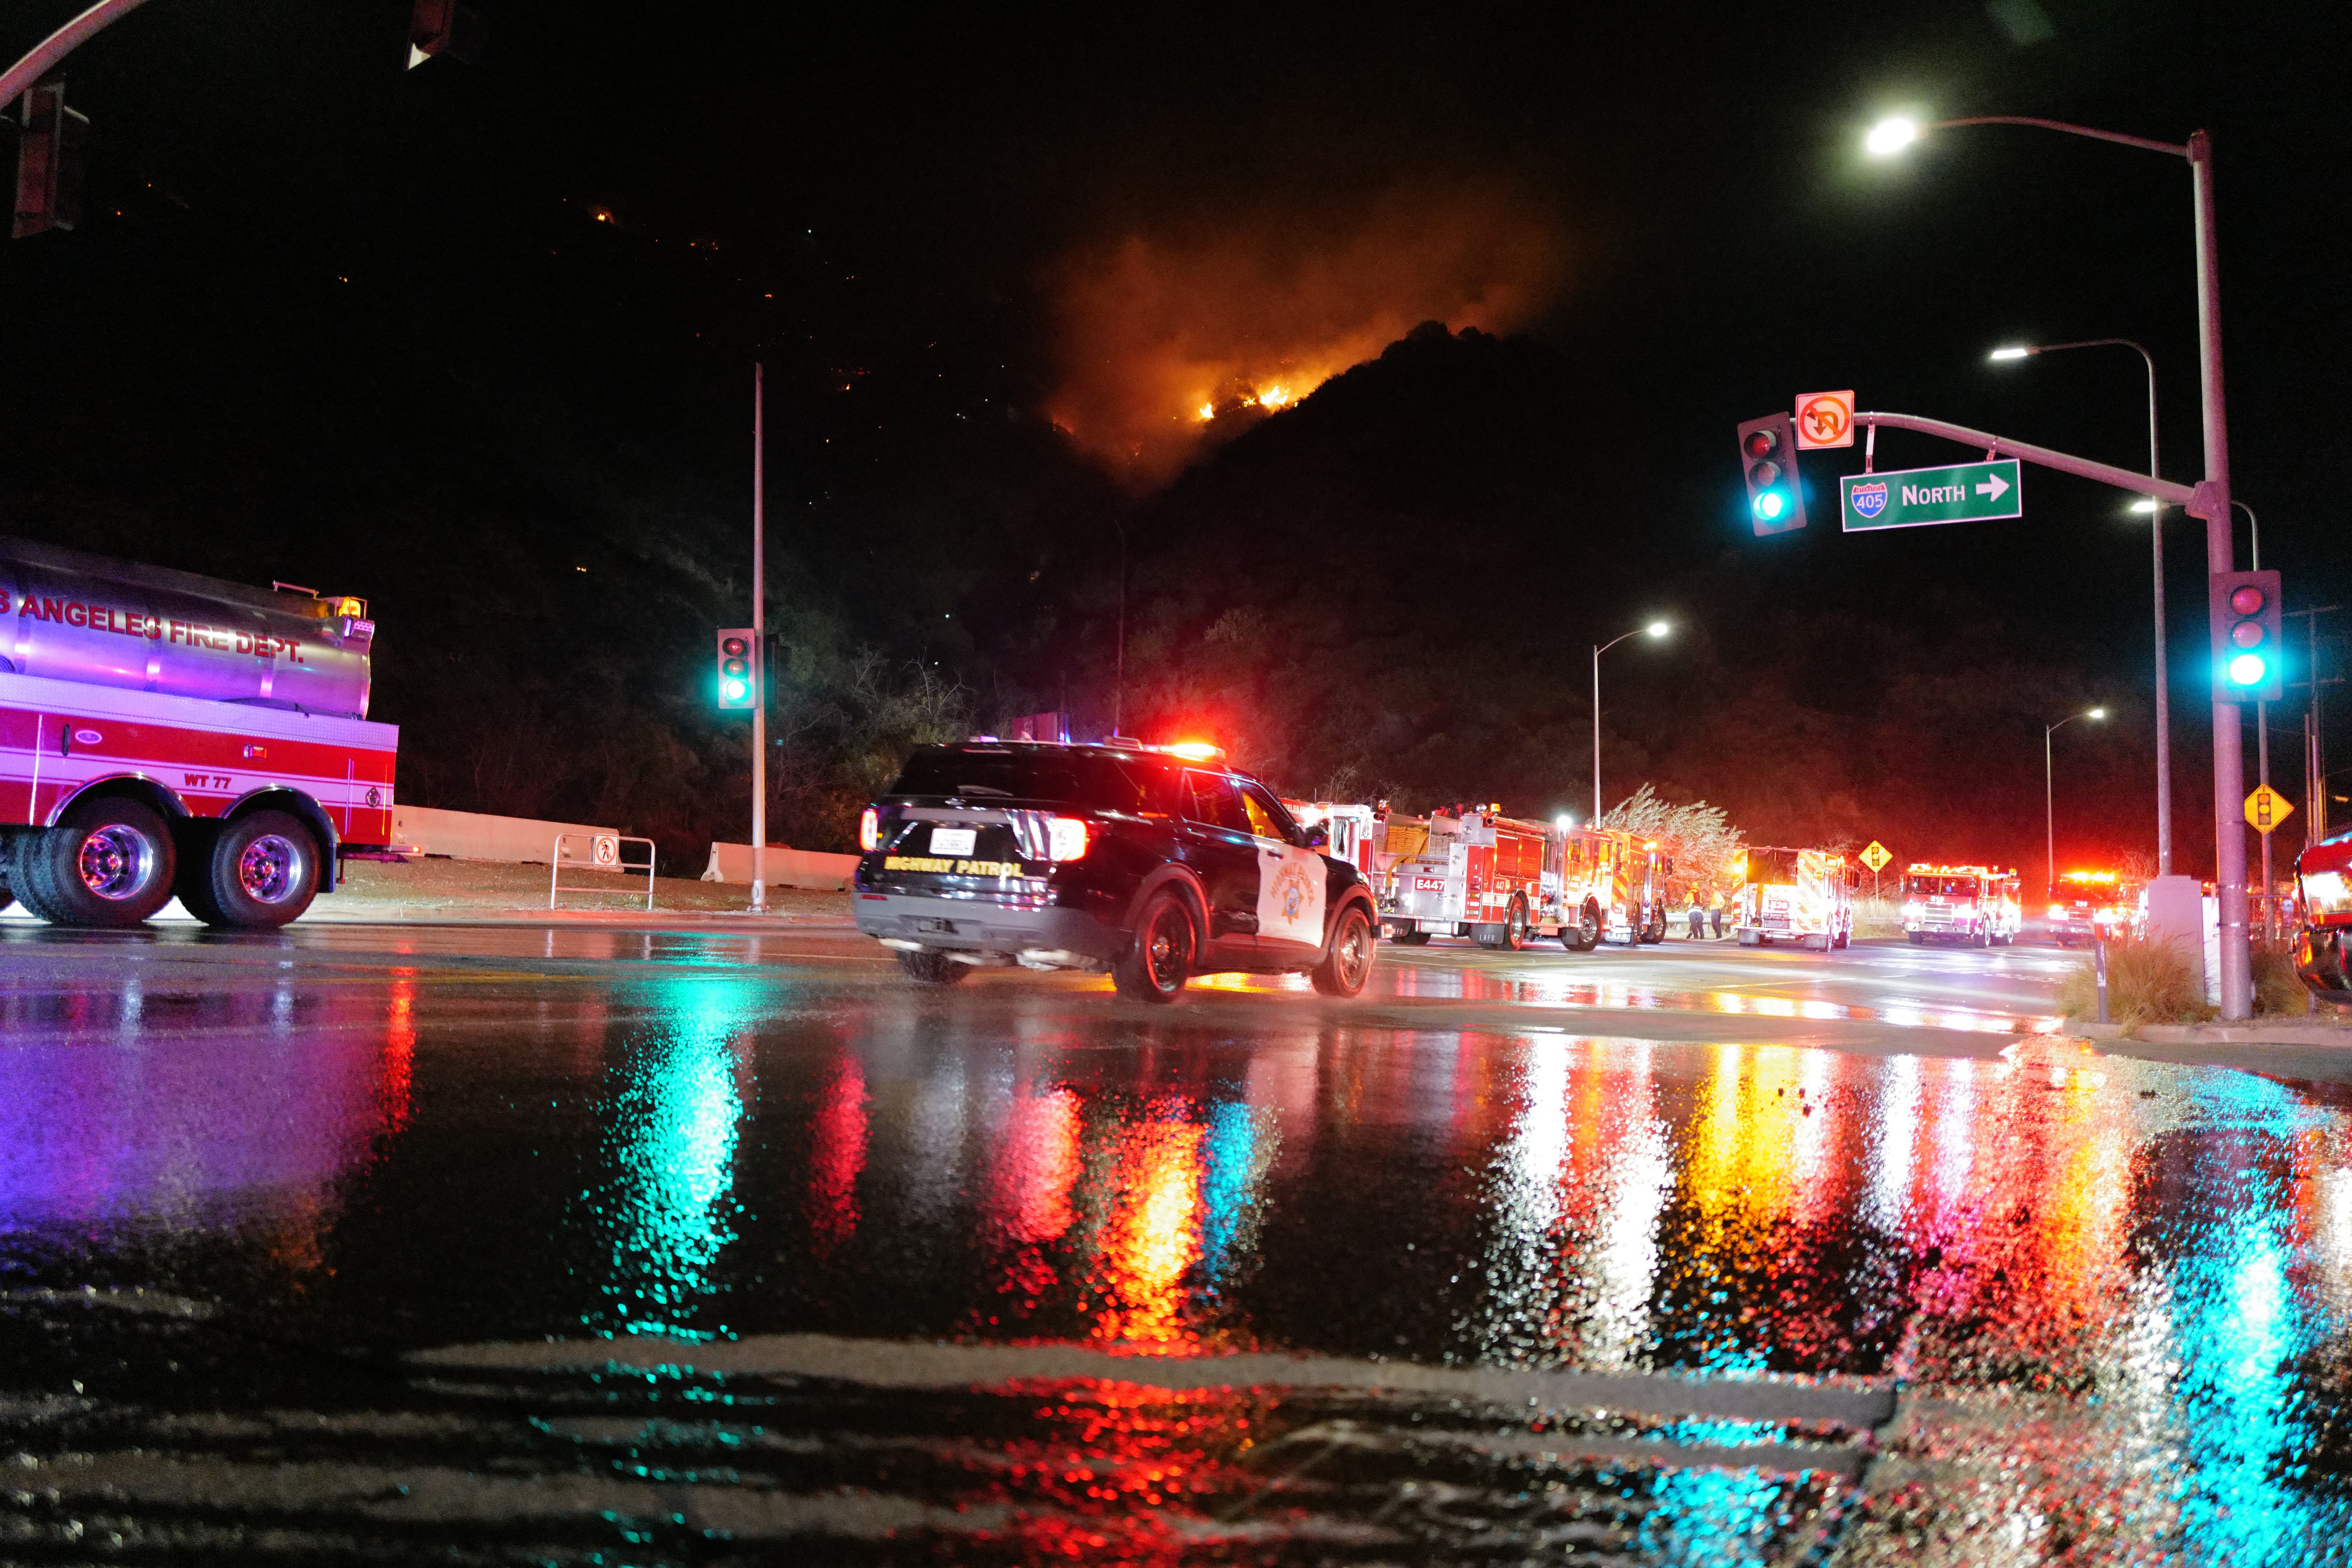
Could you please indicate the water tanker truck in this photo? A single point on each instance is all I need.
(164, 733)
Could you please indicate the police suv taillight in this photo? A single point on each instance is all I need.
(1066, 838)
(869, 829)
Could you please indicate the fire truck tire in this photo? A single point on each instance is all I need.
(1515, 926)
(1585, 934)
(1413, 939)
(1982, 938)
(933, 968)
(1844, 938)
(110, 863)
(6, 896)
(1157, 962)
(262, 871)
(1349, 963)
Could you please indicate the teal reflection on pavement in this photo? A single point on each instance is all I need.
(662, 1196)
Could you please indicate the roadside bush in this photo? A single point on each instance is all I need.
(1877, 917)
(2277, 988)
(2147, 982)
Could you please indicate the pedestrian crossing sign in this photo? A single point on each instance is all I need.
(2266, 808)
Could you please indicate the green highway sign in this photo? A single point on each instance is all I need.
(1909, 498)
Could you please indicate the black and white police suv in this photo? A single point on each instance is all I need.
(1153, 863)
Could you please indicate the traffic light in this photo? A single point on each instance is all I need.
(1767, 462)
(2249, 639)
(50, 161)
(739, 683)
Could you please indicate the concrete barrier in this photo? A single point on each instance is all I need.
(784, 868)
(475, 836)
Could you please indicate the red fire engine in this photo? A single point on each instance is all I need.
(1974, 905)
(166, 734)
(1474, 872)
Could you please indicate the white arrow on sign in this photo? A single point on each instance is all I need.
(1995, 487)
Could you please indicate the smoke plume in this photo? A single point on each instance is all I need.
(1169, 340)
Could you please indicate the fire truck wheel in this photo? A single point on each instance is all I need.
(6, 896)
(1585, 934)
(1843, 938)
(1515, 926)
(1155, 965)
(110, 863)
(263, 871)
(933, 968)
(1983, 938)
(1349, 963)
(1413, 939)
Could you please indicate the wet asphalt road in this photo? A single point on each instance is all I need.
(517, 1243)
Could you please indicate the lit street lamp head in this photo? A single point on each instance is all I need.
(1658, 628)
(1891, 135)
(2096, 713)
(2019, 351)
(2143, 506)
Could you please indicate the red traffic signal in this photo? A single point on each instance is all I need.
(1767, 465)
(2249, 637)
(50, 161)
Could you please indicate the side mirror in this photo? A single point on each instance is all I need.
(1318, 836)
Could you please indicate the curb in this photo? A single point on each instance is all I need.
(2252, 1033)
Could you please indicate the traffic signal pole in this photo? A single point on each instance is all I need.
(60, 43)
(758, 640)
(2213, 506)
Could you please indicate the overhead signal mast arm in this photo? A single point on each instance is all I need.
(2183, 496)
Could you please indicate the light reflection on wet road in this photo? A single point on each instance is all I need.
(240, 1181)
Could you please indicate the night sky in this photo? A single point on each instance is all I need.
(449, 337)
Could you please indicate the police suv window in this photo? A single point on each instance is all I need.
(1088, 781)
(1266, 817)
(1212, 798)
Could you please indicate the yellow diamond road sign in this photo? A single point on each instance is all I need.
(1877, 857)
(2266, 808)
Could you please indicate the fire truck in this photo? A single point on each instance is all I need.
(1474, 872)
(1973, 905)
(1804, 895)
(2087, 905)
(162, 734)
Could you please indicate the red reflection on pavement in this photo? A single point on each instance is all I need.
(399, 1050)
(1150, 1229)
(838, 1155)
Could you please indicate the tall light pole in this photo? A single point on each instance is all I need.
(2049, 794)
(2210, 501)
(2154, 509)
(1656, 629)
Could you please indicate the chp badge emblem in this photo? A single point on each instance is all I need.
(1870, 499)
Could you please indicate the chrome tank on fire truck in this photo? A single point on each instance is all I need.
(65, 615)
(162, 734)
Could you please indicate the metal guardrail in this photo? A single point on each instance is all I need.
(605, 854)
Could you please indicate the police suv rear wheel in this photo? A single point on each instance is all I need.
(933, 968)
(1156, 963)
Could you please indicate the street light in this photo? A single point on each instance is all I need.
(2155, 512)
(1656, 629)
(2210, 501)
(2049, 795)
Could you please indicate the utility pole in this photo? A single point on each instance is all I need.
(2314, 756)
(758, 640)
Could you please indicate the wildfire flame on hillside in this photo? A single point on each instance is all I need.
(1163, 338)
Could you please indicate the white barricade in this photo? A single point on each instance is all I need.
(603, 852)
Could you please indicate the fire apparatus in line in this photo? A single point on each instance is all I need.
(1501, 879)
(1804, 896)
(2087, 905)
(1974, 905)
(166, 734)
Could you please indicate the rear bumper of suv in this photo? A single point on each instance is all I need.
(1035, 938)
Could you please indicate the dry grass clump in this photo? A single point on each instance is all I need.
(1877, 917)
(2147, 982)
(2278, 989)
